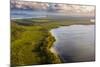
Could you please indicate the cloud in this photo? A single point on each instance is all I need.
(68, 9)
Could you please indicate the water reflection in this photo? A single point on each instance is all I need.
(75, 43)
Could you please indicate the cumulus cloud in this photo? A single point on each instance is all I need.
(62, 8)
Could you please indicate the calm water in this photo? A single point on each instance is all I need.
(20, 14)
(74, 43)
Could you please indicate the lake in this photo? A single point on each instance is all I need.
(20, 14)
(26, 13)
(74, 43)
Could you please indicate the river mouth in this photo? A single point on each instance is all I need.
(74, 43)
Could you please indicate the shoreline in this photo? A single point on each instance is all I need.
(45, 44)
(43, 47)
(53, 49)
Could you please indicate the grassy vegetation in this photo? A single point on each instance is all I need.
(31, 40)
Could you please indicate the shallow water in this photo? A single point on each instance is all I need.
(74, 43)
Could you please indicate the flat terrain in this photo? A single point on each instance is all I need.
(31, 40)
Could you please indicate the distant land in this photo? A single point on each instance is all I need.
(32, 39)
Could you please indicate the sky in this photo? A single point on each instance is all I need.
(69, 9)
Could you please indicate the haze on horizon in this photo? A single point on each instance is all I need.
(68, 9)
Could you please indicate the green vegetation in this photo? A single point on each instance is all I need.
(31, 40)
